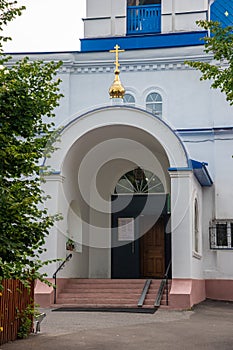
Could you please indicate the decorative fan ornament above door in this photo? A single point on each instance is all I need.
(139, 181)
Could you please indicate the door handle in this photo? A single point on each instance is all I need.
(133, 247)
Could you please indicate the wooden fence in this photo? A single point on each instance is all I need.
(14, 299)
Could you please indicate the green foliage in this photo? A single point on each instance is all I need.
(26, 319)
(220, 70)
(29, 92)
(70, 244)
(8, 11)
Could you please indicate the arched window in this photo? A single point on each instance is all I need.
(154, 104)
(129, 99)
(139, 181)
(196, 227)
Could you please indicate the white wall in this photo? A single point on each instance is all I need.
(181, 15)
(107, 18)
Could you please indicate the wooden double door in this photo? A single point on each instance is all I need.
(144, 257)
(140, 254)
(152, 251)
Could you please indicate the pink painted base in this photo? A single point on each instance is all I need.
(219, 289)
(43, 293)
(185, 293)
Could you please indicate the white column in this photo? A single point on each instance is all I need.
(55, 241)
(181, 223)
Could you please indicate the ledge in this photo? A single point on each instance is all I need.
(144, 41)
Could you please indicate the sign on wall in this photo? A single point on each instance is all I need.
(125, 229)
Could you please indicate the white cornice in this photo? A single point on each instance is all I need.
(144, 65)
(131, 61)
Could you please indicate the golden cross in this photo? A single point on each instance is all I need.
(117, 47)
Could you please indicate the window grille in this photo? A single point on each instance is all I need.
(221, 235)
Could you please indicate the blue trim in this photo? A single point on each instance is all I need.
(180, 169)
(198, 165)
(200, 171)
(225, 130)
(135, 42)
(214, 129)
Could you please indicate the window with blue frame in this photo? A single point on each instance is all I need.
(143, 16)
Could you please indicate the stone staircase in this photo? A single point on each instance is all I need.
(107, 293)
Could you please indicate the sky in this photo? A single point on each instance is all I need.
(47, 25)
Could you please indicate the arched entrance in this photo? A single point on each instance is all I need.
(96, 150)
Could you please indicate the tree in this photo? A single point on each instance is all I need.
(220, 70)
(29, 93)
(8, 11)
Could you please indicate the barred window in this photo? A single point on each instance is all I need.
(221, 235)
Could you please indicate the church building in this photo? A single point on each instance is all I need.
(142, 175)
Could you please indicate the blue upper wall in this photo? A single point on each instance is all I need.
(222, 11)
(149, 41)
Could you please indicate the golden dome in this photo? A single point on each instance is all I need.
(117, 89)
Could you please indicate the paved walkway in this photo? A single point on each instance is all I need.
(209, 326)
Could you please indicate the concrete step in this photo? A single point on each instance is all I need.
(89, 301)
(103, 286)
(102, 290)
(106, 280)
(107, 293)
(96, 305)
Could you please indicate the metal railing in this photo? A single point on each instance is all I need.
(163, 285)
(144, 19)
(60, 267)
(144, 293)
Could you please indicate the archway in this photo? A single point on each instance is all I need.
(96, 150)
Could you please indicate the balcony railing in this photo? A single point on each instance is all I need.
(144, 19)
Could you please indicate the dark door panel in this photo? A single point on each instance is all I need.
(126, 254)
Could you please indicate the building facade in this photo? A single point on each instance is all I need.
(143, 182)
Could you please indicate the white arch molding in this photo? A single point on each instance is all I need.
(130, 127)
(125, 116)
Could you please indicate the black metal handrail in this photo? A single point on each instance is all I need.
(60, 267)
(166, 279)
(163, 285)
